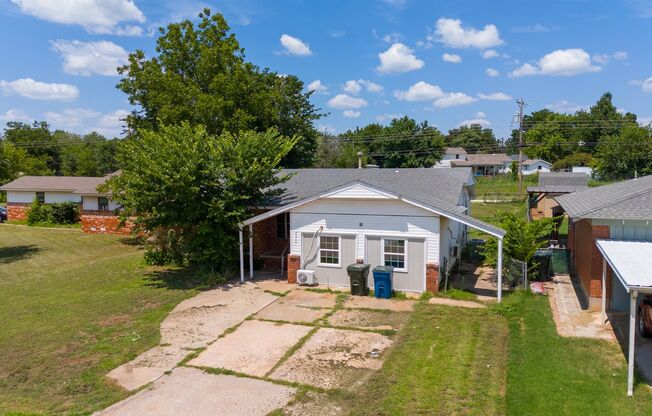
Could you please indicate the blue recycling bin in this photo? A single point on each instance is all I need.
(383, 281)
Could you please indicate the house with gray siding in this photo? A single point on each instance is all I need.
(323, 220)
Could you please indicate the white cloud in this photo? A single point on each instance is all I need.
(90, 58)
(399, 4)
(388, 117)
(492, 72)
(644, 121)
(452, 58)
(352, 87)
(388, 38)
(564, 106)
(454, 99)
(602, 59)
(562, 62)
(355, 86)
(490, 53)
(496, 96)
(351, 114)
(646, 85)
(535, 28)
(398, 58)
(85, 120)
(14, 114)
(421, 91)
(481, 121)
(295, 46)
(317, 87)
(480, 114)
(451, 33)
(337, 33)
(36, 90)
(620, 55)
(95, 16)
(346, 102)
(326, 129)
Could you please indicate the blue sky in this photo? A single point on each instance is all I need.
(447, 62)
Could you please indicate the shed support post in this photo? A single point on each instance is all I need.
(241, 238)
(604, 291)
(251, 251)
(632, 342)
(500, 269)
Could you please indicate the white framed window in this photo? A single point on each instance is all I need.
(329, 250)
(394, 253)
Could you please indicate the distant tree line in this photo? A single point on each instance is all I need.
(34, 149)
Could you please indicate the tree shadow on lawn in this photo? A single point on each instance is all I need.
(17, 253)
(187, 279)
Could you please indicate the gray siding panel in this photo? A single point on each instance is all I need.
(413, 280)
(331, 276)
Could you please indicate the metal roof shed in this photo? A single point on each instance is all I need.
(631, 262)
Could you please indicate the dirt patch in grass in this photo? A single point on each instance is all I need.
(369, 319)
(334, 358)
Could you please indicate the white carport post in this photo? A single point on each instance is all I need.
(241, 254)
(632, 342)
(251, 251)
(604, 290)
(500, 269)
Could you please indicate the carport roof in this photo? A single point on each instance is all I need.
(631, 262)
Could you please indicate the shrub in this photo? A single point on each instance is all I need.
(59, 213)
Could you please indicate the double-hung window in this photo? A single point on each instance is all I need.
(395, 253)
(41, 197)
(329, 251)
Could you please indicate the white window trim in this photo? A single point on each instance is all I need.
(339, 252)
(382, 252)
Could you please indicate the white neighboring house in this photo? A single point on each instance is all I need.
(583, 169)
(451, 153)
(530, 166)
(413, 219)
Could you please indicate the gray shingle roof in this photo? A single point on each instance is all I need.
(563, 179)
(438, 189)
(627, 200)
(482, 160)
(86, 185)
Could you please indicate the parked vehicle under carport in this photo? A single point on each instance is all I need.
(645, 317)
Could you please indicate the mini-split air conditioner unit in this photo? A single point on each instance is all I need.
(306, 277)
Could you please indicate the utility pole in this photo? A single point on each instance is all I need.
(521, 108)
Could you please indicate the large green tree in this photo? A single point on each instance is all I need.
(196, 187)
(473, 138)
(200, 75)
(625, 155)
(404, 143)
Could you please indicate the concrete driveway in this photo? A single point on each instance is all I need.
(267, 337)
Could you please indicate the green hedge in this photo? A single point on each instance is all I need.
(59, 213)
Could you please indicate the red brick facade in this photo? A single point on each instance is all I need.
(104, 222)
(265, 241)
(587, 260)
(432, 277)
(294, 263)
(17, 211)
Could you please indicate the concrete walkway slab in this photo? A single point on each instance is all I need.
(254, 348)
(194, 323)
(334, 357)
(191, 392)
(369, 302)
(310, 299)
(291, 313)
(455, 302)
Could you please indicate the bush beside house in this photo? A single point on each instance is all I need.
(57, 213)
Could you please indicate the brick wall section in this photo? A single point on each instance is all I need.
(571, 235)
(264, 239)
(587, 258)
(17, 211)
(293, 265)
(432, 277)
(103, 222)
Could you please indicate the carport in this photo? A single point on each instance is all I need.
(631, 263)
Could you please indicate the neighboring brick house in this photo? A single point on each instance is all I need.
(326, 219)
(619, 211)
(98, 213)
(541, 198)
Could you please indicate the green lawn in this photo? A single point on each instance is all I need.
(507, 360)
(73, 306)
(501, 183)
